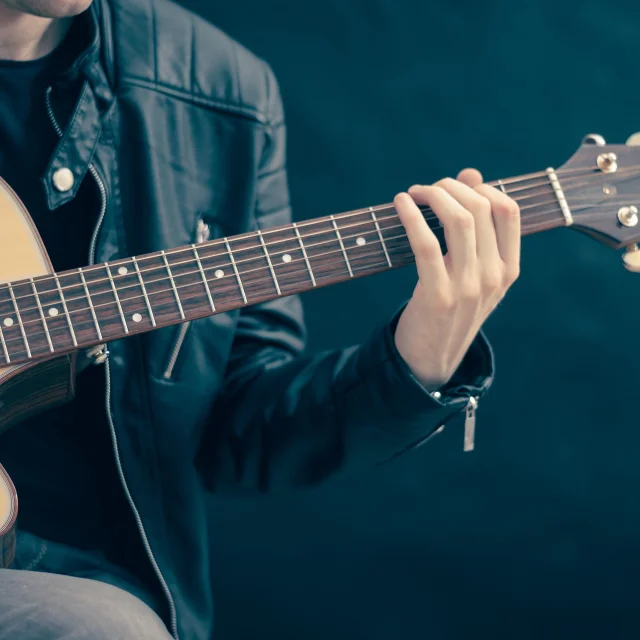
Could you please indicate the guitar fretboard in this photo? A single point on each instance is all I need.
(55, 314)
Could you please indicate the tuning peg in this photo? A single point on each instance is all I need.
(634, 140)
(594, 138)
(631, 258)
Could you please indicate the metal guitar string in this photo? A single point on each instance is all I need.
(117, 317)
(214, 267)
(250, 235)
(360, 212)
(80, 284)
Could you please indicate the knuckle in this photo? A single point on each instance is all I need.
(482, 205)
(444, 300)
(437, 190)
(470, 290)
(492, 279)
(506, 208)
(463, 219)
(445, 183)
(428, 248)
(512, 273)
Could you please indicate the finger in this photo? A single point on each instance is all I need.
(424, 244)
(458, 226)
(471, 177)
(480, 207)
(506, 220)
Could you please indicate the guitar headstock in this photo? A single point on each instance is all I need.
(601, 186)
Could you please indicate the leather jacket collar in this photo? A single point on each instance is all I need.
(93, 96)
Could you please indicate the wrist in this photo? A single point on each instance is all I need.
(423, 359)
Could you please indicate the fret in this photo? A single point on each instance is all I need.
(235, 269)
(46, 294)
(362, 243)
(266, 253)
(144, 292)
(4, 347)
(117, 298)
(22, 331)
(28, 318)
(42, 316)
(324, 252)
(346, 258)
(66, 311)
(187, 278)
(395, 240)
(204, 277)
(382, 242)
(124, 308)
(304, 253)
(91, 307)
(173, 285)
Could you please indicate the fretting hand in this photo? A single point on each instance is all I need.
(456, 292)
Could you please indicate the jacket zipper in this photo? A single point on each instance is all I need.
(114, 438)
(470, 423)
(203, 232)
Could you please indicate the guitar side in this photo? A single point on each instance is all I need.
(25, 389)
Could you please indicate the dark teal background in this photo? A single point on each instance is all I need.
(536, 534)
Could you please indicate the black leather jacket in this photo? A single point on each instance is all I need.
(182, 130)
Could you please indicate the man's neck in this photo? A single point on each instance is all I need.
(27, 37)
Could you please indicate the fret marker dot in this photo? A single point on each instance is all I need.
(218, 273)
(286, 258)
(8, 322)
(123, 271)
(361, 241)
(53, 311)
(136, 317)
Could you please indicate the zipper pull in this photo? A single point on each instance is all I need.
(99, 354)
(470, 424)
(203, 231)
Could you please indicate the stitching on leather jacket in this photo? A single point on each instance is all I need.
(203, 101)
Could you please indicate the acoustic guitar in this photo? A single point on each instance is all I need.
(47, 318)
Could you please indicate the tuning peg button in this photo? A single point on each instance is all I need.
(628, 216)
(634, 140)
(631, 258)
(594, 138)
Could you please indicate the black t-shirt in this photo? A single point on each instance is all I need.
(61, 461)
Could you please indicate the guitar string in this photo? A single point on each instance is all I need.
(189, 249)
(63, 330)
(117, 317)
(338, 217)
(80, 286)
(17, 356)
(361, 212)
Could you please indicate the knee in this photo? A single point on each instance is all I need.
(74, 608)
(108, 613)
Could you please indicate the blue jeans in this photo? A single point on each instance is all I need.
(54, 592)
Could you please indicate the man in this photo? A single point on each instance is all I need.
(128, 126)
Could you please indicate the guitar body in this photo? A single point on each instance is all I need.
(25, 389)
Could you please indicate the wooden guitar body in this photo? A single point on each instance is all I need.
(25, 389)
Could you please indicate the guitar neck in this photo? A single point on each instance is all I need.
(55, 314)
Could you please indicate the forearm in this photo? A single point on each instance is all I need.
(298, 420)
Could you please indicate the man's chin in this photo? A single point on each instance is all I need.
(49, 8)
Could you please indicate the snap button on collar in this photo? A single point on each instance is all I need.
(63, 179)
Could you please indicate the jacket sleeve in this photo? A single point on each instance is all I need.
(286, 419)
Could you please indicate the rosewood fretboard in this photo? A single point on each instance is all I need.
(55, 314)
